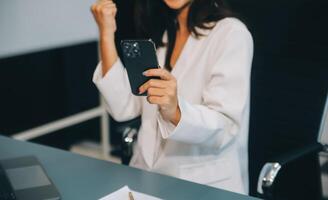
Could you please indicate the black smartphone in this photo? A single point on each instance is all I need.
(138, 56)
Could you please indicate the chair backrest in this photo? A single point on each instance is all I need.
(323, 133)
(289, 87)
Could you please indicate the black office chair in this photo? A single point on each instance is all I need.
(269, 175)
(288, 96)
(123, 137)
(289, 88)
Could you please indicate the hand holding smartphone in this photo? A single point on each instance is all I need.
(139, 56)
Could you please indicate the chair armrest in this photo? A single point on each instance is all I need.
(271, 169)
(128, 139)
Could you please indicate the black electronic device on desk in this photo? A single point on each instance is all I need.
(24, 179)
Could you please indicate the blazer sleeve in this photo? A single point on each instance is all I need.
(115, 88)
(217, 120)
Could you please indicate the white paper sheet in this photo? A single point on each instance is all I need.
(123, 194)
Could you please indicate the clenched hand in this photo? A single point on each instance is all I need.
(163, 92)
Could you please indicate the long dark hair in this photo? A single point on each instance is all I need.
(154, 17)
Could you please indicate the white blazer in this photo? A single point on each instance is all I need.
(209, 145)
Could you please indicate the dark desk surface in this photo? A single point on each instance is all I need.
(79, 177)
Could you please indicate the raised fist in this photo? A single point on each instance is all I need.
(104, 12)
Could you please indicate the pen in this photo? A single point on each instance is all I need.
(131, 196)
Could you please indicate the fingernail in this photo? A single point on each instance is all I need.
(144, 73)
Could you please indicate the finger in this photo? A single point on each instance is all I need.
(99, 7)
(162, 73)
(108, 3)
(155, 100)
(104, 1)
(109, 6)
(152, 83)
(93, 8)
(156, 92)
(105, 10)
(111, 9)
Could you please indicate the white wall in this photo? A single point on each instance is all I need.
(33, 25)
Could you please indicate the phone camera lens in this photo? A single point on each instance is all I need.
(126, 45)
(131, 49)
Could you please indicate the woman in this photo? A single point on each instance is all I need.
(195, 118)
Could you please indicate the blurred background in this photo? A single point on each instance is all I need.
(48, 52)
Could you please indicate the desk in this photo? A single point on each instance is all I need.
(79, 177)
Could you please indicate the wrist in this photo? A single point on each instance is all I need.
(176, 117)
(107, 35)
